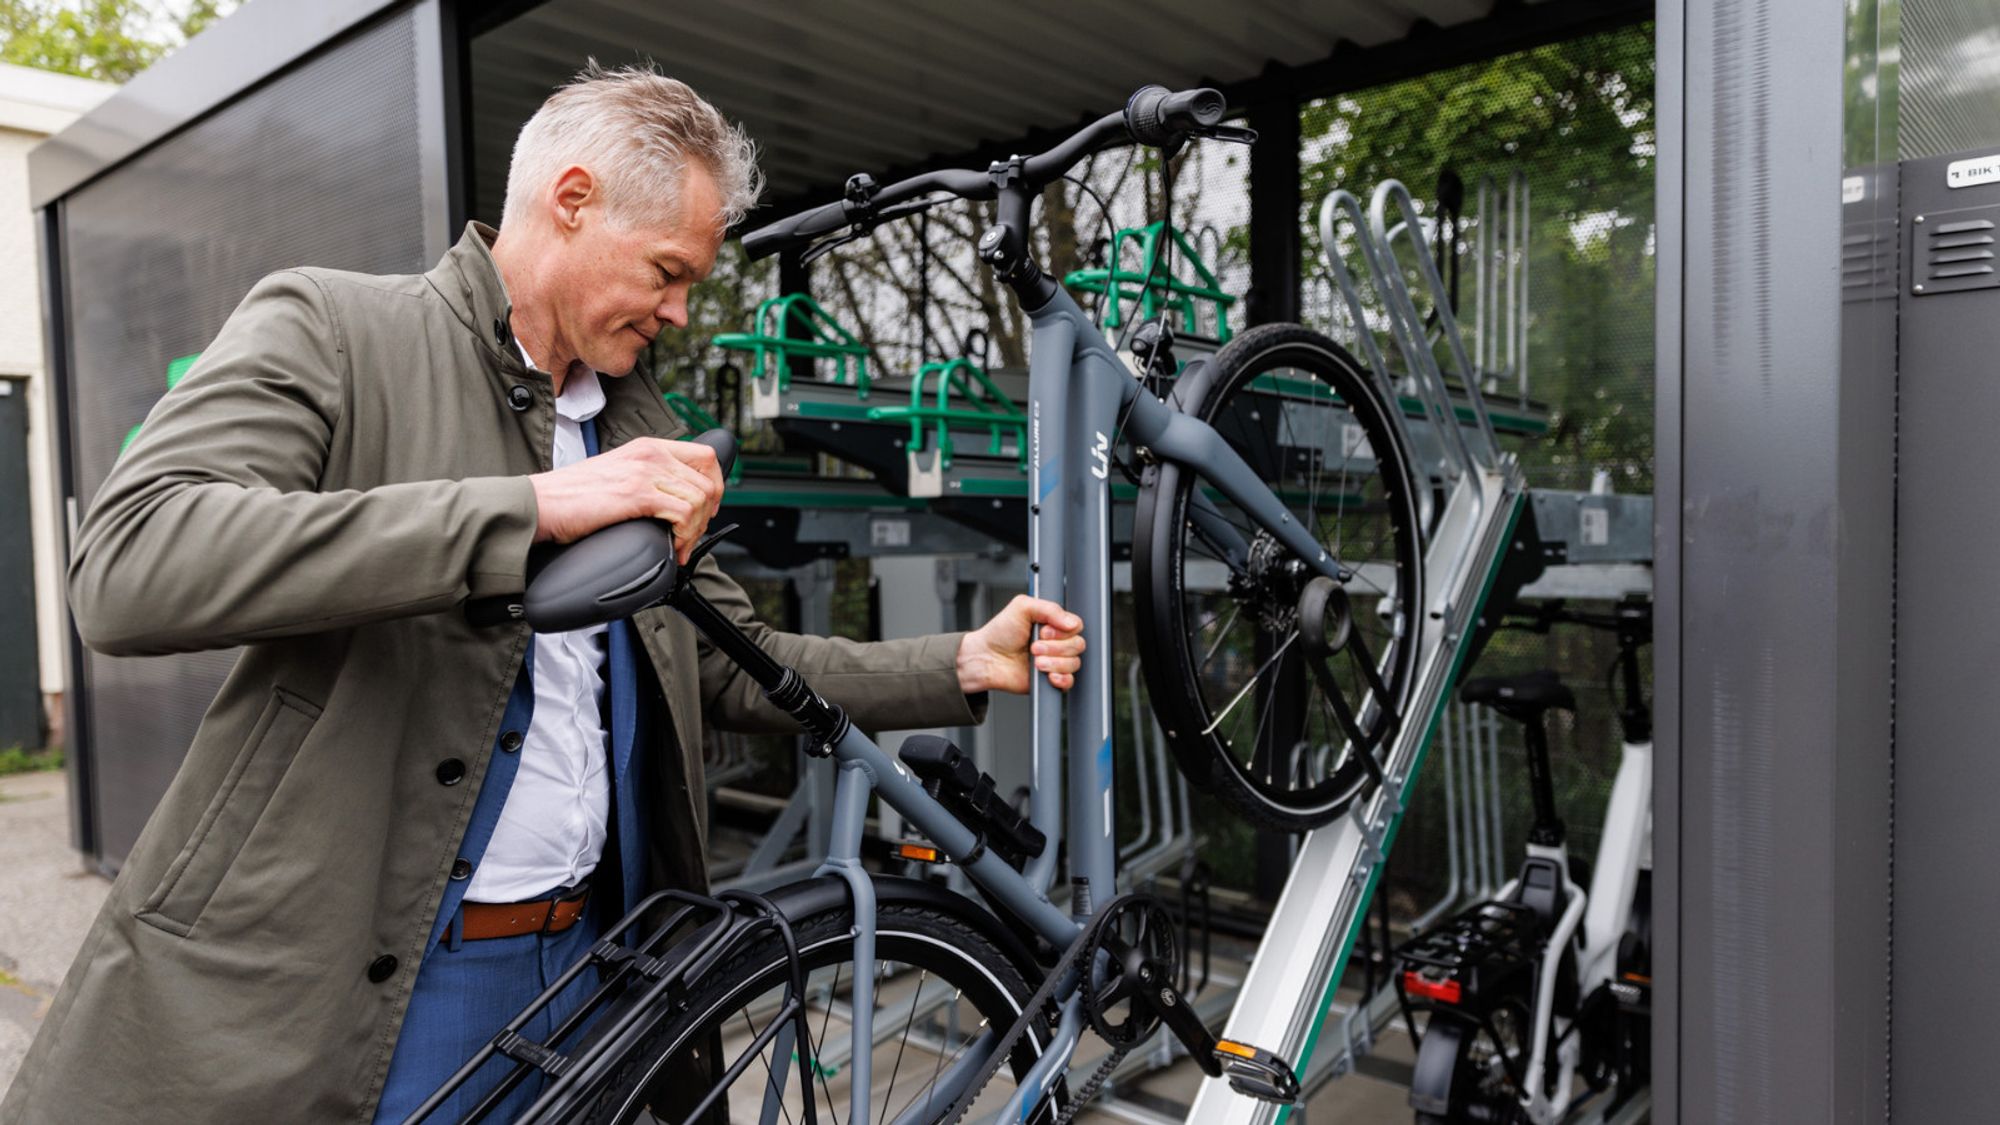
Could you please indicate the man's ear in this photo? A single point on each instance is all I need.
(575, 190)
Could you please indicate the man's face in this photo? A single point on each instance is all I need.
(621, 285)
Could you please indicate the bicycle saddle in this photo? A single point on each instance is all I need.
(1521, 697)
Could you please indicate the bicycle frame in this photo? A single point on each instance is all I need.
(1078, 392)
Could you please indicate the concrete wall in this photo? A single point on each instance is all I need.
(33, 105)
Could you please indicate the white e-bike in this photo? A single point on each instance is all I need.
(1541, 998)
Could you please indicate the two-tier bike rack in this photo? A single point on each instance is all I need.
(1478, 494)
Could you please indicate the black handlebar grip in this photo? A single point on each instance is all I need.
(1156, 116)
(773, 237)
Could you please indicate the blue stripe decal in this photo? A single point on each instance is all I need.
(1104, 762)
(1049, 478)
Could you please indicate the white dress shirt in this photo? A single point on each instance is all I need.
(551, 830)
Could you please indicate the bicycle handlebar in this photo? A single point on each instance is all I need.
(1153, 116)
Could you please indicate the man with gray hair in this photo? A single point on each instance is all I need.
(395, 827)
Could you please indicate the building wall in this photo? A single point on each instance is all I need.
(35, 104)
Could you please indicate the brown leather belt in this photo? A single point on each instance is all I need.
(481, 920)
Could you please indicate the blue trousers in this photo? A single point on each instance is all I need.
(465, 992)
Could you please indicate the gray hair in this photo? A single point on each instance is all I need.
(637, 131)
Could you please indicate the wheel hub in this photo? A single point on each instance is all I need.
(1270, 584)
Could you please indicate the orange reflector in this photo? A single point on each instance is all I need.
(1442, 991)
(917, 852)
(1238, 1049)
(1638, 978)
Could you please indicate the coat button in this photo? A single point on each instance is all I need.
(451, 771)
(501, 333)
(520, 397)
(511, 741)
(381, 968)
(462, 869)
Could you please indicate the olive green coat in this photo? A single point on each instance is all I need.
(327, 486)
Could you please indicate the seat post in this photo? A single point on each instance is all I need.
(1548, 829)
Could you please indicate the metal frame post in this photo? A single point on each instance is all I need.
(1775, 566)
(1275, 218)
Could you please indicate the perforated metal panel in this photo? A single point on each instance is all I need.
(321, 166)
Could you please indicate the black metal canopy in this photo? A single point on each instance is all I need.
(829, 89)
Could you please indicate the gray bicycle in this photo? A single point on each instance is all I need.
(1276, 581)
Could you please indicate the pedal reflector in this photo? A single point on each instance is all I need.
(1257, 1073)
(919, 852)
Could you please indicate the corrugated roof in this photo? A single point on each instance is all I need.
(831, 88)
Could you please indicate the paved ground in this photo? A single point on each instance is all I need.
(46, 904)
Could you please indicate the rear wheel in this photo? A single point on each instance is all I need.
(1280, 695)
(943, 990)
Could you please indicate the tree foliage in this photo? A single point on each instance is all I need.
(1577, 117)
(111, 40)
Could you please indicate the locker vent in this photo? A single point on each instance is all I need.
(1868, 259)
(1955, 250)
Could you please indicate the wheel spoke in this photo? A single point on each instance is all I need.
(820, 1071)
(909, 1025)
(1234, 609)
(1254, 678)
(770, 1079)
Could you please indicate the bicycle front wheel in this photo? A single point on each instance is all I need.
(1290, 736)
(943, 992)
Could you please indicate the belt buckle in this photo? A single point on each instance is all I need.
(562, 896)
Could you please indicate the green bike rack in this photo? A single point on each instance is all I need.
(985, 405)
(823, 338)
(1165, 294)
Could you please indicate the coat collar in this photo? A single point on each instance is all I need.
(469, 281)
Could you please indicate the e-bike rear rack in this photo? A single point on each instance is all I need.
(642, 984)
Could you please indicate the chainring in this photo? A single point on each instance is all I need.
(1136, 949)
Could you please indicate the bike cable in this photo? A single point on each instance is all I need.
(1164, 255)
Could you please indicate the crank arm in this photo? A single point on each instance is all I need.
(1252, 1071)
(1159, 994)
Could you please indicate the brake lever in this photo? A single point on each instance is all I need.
(866, 225)
(1234, 134)
(827, 245)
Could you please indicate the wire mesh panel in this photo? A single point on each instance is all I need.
(157, 253)
(1569, 378)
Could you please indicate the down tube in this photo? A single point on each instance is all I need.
(1048, 383)
(1097, 386)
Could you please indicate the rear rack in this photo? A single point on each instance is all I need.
(644, 984)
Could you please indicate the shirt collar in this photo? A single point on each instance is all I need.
(582, 396)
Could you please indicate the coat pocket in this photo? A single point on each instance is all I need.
(198, 870)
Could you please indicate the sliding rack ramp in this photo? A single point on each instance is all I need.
(1288, 993)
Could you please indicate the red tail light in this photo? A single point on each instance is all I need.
(1442, 991)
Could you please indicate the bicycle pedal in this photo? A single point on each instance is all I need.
(1257, 1073)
